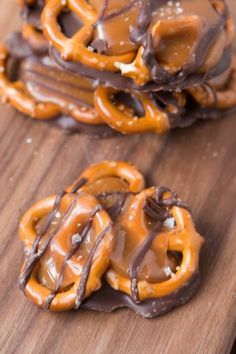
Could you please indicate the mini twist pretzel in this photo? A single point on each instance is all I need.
(17, 94)
(181, 237)
(76, 48)
(125, 121)
(108, 169)
(75, 237)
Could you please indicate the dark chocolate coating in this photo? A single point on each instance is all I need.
(116, 80)
(107, 299)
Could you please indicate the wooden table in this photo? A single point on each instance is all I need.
(199, 162)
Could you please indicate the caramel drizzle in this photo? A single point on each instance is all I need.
(155, 209)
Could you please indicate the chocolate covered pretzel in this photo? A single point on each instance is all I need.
(106, 242)
(159, 45)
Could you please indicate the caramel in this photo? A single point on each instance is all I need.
(145, 244)
(184, 36)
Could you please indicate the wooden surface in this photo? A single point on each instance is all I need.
(199, 162)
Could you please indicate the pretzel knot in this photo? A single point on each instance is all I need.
(63, 224)
(145, 29)
(18, 95)
(146, 235)
(69, 240)
(124, 119)
(76, 48)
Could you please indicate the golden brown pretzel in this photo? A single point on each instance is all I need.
(109, 169)
(18, 96)
(124, 120)
(75, 48)
(71, 241)
(34, 37)
(181, 238)
(74, 239)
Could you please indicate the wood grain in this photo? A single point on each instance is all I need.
(198, 162)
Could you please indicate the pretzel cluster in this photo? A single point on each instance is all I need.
(106, 227)
(141, 60)
(167, 66)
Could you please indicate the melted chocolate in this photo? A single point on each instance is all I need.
(118, 81)
(107, 299)
(31, 13)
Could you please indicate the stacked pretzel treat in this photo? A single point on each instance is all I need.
(108, 242)
(121, 65)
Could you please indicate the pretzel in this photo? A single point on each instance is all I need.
(123, 119)
(72, 244)
(140, 64)
(35, 38)
(75, 236)
(140, 237)
(220, 97)
(75, 48)
(97, 175)
(17, 94)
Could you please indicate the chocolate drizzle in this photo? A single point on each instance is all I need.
(161, 79)
(36, 253)
(76, 242)
(87, 267)
(137, 259)
(157, 209)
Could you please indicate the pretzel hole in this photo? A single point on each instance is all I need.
(128, 104)
(110, 192)
(153, 270)
(69, 23)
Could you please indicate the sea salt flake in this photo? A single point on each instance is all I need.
(167, 271)
(29, 141)
(170, 223)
